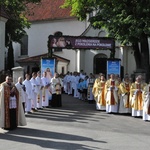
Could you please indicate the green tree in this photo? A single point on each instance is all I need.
(128, 21)
(16, 24)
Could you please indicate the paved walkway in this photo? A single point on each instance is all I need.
(77, 126)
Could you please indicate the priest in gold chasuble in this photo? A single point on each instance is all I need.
(98, 92)
(111, 94)
(136, 96)
(124, 91)
(146, 103)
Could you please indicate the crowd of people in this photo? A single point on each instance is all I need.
(38, 91)
(27, 96)
(112, 95)
(124, 97)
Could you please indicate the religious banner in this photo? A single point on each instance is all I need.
(48, 65)
(113, 67)
(80, 42)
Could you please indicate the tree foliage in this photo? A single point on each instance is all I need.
(16, 24)
(17, 21)
(128, 21)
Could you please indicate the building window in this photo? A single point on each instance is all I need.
(24, 45)
(62, 70)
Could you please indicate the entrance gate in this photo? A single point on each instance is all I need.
(86, 43)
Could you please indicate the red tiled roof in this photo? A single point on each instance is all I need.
(47, 10)
(36, 59)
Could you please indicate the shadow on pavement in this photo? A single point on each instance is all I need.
(46, 139)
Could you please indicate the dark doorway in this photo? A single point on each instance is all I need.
(100, 65)
(35, 69)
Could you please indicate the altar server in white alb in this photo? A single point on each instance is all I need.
(39, 90)
(28, 87)
(90, 83)
(74, 84)
(56, 85)
(146, 103)
(69, 86)
(21, 89)
(124, 92)
(111, 91)
(34, 91)
(136, 96)
(45, 90)
(65, 83)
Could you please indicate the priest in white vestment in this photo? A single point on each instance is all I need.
(21, 89)
(56, 84)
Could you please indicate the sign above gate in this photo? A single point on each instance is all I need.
(81, 42)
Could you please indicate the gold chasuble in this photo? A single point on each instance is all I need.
(101, 99)
(148, 109)
(125, 90)
(146, 95)
(136, 96)
(112, 99)
(111, 92)
(98, 89)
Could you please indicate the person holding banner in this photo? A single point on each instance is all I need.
(39, 90)
(111, 92)
(136, 97)
(45, 90)
(56, 84)
(124, 90)
(99, 93)
(146, 103)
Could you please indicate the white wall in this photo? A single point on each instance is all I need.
(39, 32)
(60, 65)
(2, 43)
(38, 37)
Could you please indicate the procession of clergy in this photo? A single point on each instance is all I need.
(112, 95)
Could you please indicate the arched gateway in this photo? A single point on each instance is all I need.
(84, 43)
